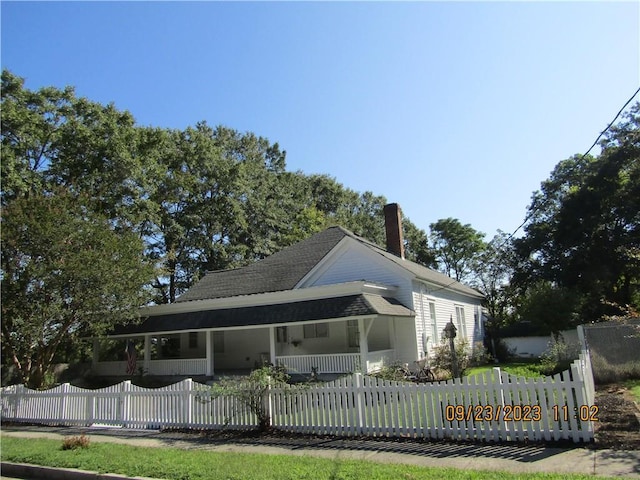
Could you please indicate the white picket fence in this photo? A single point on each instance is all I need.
(494, 406)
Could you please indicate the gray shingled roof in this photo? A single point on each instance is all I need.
(283, 270)
(307, 310)
(278, 272)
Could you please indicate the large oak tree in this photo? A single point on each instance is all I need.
(67, 274)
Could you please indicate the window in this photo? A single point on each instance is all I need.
(193, 340)
(462, 325)
(316, 330)
(218, 342)
(434, 326)
(353, 334)
(281, 334)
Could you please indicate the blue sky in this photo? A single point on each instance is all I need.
(450, 109)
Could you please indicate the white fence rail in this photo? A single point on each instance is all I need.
(494, 406)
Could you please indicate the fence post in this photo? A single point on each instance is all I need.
(359, 402)
(63, 401)
(90, 406)
(186, 399)
(125, 389)
(504, 429)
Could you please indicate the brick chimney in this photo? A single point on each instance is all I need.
(393, 227)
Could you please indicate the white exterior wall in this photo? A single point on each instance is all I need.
(378, 338)
(336, 342)
(406, 347)
(536, 346)
(354, 262)
(240, 353)
(445, 309)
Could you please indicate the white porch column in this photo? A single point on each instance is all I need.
(272, 345)
(364, 345)
(147, 353)
(209, 344)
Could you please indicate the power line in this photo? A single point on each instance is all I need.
(528, 217)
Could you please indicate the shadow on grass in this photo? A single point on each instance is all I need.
(430, 449)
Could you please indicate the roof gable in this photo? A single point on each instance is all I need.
(286, 269)
(280, 271)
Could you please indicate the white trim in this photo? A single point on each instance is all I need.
(272, 298)
(340, 249)
(254, 327)
(323, 265)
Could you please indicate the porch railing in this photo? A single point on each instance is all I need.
(328, 363)
(185, 366)
(377, 360)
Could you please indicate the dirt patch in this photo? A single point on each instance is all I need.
(619, 419)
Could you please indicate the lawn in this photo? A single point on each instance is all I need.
(172, 463)
(634, 387)
(520, 368)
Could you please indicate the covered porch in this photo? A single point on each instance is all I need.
(353, 331)
(338, 346)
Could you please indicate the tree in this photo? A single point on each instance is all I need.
(66, 274)
(251, 393)
(583, 230)
(416, 245)
(51, 138)
(551, 307)
(456, 247)
(492, 277)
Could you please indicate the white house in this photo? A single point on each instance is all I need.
(334, 301)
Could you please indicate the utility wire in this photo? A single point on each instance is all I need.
(528, 217)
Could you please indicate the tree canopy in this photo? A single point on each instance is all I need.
(88, 194)
(583, 233)
(151, 210)
(66, 273)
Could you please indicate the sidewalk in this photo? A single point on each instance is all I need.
(510, 458)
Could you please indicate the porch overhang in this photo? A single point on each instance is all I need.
(340, 307)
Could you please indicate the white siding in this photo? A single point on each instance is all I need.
(355, 262)
(445, 308)
(243, 349)
(405, 341)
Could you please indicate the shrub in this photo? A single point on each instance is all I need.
(392, 372)
(73, 443)
(252, 391)
(502, 351)
(558, 357)
(479, 355)
(442, 360)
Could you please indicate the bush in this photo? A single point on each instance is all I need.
(479, 355)
(558, 357)
(443, 362)
(502, 351)
(252, 391)
(392, 372)
(73, 443)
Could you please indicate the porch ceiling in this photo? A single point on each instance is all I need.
(309, 310)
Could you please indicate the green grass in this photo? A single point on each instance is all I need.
(172, 463)
(522, 369)
(634, 387)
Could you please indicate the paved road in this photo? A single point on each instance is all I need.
(511, 458)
